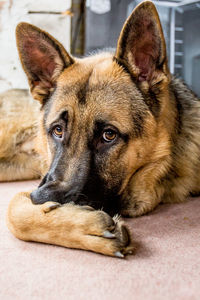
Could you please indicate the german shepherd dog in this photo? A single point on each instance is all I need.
(116, 134)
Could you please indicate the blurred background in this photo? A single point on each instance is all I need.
(86, 25)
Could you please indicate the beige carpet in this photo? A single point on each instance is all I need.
(165, 266)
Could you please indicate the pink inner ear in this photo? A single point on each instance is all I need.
(39, 57)
(145, 63)
(145, 48)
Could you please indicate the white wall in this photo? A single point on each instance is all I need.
(13, 12)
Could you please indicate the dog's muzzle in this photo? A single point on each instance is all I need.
(57, 191)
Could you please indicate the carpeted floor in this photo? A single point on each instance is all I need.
(165, 266)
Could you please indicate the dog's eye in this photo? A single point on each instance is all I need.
(58, 131)
(109, 135)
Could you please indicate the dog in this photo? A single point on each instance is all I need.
(112, 131)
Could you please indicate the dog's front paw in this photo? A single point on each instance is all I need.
(106, 235)
(80, 227)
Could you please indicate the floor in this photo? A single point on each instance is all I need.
(166, 264)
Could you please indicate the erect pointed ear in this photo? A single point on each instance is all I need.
(141, 47)
(42, 57)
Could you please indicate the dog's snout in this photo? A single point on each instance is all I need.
(36, 197)
(48, 191)
(54, 191)
(42, 195)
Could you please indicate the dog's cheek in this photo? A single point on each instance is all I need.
(112, 173)
(43, 149)
(130, 161)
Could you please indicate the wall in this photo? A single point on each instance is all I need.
(103, 28)
(191, 21)
(14, 11)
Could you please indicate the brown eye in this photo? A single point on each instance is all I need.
(109, 135)
(58, 131)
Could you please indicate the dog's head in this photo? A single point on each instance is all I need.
(100, 114)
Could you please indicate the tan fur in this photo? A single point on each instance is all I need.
(18, 121)
(68, 225)
(155, 158)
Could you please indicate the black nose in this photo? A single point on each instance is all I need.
(57, 194)
(57, 191)
(48, 193)
(49, 189)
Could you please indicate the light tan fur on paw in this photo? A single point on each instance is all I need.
(68, 225)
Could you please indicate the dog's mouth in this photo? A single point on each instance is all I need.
(96, 197)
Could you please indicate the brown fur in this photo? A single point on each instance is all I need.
(153, 158)
(18, 123)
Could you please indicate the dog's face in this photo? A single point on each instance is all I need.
(99, 114)
(93, 123)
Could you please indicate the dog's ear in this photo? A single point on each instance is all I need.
(141, 46)
(42, 57)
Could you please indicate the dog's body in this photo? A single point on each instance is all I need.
(18, 123)
(116, 132)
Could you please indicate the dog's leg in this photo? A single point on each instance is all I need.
(145, 191)
(68, 225)
(141, 203)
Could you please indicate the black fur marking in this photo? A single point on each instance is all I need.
(179, 122)
(98, 196)
(138, 122)
(82, 93)
(80, 89)
(153, 103)
(181, 91)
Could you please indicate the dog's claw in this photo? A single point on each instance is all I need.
(87, 207)
(108, 234)
(119, 254)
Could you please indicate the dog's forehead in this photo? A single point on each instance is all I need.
(94, 71)
(94, 86)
